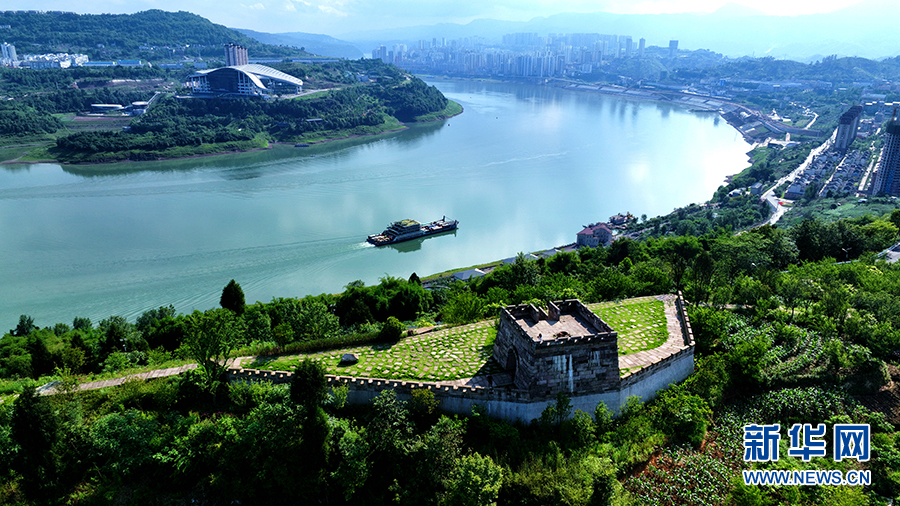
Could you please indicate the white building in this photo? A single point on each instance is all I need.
(8, 52)
(243, 81)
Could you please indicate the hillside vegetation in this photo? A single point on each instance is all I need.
(811, 341)
(117, 36)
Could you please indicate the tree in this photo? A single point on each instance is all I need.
(81, 323)
(210, 339)
(314, 321)
(149, 317)
(475, 481)
(233, 298)
(309, 387)
(119, 335)
(35, 429)
(679, 253)
(25, 326)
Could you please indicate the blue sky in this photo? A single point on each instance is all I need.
(337, 17)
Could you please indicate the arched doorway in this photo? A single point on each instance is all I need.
(512, 362)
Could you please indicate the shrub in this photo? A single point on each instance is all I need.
(392, 330)
(683, 416)
(422, 402)
(709, 326)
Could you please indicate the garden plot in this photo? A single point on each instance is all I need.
(640, 322)
(443, 355)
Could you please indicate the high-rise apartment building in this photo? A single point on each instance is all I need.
(9, 53)
(235, 55)
(887, 180)
(847, 128)
(673, 48)
(641, 44)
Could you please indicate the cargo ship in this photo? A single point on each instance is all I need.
(405, 230)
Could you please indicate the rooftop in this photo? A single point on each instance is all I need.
(568, 325)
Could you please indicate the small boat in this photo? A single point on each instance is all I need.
(405, 230)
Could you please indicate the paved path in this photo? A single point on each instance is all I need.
(773, 200)
(891, 254)
(673, 345)
(50, 388)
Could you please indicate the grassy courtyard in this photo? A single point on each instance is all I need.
(444, 355)
(464, 352)
(640, 322)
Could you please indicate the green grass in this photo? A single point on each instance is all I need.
(257, 142)
(391, 123)
(640, 322)
(444, 355)
(450, 272)
(849, 208)
(452, 109)
(318, 94)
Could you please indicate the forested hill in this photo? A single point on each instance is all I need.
(108, 36)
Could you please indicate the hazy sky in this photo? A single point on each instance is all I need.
(337, 17)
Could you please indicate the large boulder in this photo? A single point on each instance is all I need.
(349, 359)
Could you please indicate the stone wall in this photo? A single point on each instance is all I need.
(586, 363)
(521, 404)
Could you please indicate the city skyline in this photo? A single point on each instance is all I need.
(341, 17)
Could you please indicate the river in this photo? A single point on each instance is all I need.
(522, 169)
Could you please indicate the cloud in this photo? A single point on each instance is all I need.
(288, 6)
(327, 9)
(255, 7)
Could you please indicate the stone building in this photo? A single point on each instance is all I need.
(566, 349)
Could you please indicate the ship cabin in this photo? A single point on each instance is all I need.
(403, 227)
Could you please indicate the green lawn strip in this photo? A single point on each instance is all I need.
(444, 355)
(317, 94)
(640, 322)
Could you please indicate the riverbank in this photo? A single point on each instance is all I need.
(739, 116)
(393, 125)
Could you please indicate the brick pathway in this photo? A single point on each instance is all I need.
(673, 345)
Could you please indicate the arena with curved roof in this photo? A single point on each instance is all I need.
(243, 81)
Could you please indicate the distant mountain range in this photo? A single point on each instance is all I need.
(323, 45)
(868, 29)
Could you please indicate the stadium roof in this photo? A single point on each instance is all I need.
(255, 72)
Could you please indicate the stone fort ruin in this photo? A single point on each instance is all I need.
(566, 349)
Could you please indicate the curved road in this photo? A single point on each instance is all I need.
(769, 196)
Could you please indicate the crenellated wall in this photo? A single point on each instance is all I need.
(548, 366)
(583, 367)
